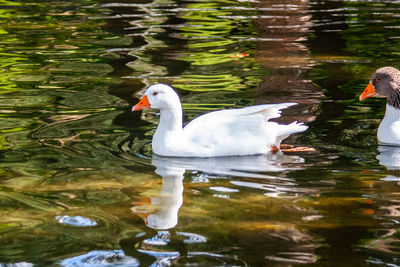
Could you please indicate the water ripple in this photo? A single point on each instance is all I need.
(78, 221)
(101, 258)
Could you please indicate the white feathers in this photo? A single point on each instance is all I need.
(243, 131)
(389, 129)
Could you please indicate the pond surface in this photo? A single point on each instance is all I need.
(80, 186)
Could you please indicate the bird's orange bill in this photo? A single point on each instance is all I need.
(143, 104)
(368, 92)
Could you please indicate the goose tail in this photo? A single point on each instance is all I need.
(286, 130)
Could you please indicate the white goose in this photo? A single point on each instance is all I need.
(243, 131)
(386, 81)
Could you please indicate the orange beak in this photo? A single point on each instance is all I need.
(143, 104)
(368, 92)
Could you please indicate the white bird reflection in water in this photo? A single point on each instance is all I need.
(389, 157)
(241, 166)
(161, 212)
(167, 204)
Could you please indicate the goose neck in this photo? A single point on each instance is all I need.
(394, 99)
(392, 113)
(171, 119)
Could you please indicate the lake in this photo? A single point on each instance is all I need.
(80, 186)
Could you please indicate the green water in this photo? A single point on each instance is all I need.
(80, 186)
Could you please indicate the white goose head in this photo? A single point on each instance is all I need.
(159, 96)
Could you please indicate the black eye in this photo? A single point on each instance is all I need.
(377, 79)
(155, 93)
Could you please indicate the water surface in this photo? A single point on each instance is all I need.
(80, 186)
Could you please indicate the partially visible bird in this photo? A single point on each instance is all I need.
(386, 82)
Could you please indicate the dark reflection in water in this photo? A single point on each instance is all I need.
(381, 243)
(78, 182)
(284, 27)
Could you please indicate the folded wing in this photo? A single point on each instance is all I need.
(236, 129)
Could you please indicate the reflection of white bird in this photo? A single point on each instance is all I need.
(172, 171)
(168, 202)
(244, 131)
(389, 156)
(242, 166)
